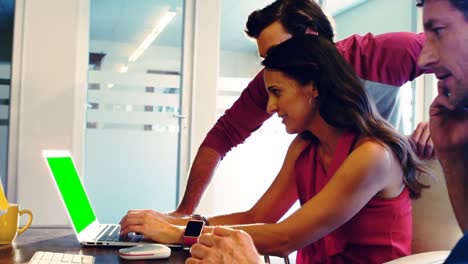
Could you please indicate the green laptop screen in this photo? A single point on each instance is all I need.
(72, 191)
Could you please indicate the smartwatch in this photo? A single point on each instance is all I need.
(193, 230)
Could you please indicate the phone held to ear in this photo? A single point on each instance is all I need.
(145, 251)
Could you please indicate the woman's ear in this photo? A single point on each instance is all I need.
(312, 90)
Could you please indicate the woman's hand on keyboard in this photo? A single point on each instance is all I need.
(175, 220)
(152, 225)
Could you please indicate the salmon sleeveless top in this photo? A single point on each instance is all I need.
(379, 232)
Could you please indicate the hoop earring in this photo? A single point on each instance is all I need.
(310, 100)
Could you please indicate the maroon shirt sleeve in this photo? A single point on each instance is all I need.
(389, 58)
(245, 116)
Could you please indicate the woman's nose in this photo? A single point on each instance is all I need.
(271, 106)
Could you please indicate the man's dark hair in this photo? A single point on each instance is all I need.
(295, 15)
(461, 5)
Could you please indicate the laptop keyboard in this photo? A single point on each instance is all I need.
(111, 233)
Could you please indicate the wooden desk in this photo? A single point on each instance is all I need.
(63, 240)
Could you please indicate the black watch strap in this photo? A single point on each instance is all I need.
(201, 218)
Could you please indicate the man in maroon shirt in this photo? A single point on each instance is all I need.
(384, 63)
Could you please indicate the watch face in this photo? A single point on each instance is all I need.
(194, 228)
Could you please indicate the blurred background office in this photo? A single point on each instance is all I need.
(131, 87)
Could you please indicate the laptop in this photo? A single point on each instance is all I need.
(88, 230)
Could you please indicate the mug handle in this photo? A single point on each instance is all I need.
(28, 212)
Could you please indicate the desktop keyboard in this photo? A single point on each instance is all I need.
(41, 257)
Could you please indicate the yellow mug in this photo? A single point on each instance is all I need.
(9, 223)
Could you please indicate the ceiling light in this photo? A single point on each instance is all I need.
(123, 68)
(158, 28)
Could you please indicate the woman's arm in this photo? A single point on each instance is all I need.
(278, 198)
(368, 170)
(271, 206)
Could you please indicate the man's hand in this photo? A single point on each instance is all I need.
(448, 124)
(152, 225)
(224, 245)
(449, 128)
(421, 141)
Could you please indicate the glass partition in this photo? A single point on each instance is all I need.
(6, 44)
(133, 111)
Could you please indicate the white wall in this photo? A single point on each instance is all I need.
(238, 64)
(202, 113)
(48, 92)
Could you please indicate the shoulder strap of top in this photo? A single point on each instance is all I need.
(343, 148)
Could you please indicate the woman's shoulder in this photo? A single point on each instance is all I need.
(372, 158)
(372, 147)
(369, 142)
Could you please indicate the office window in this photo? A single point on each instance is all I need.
(6, 41)
(407, 108)
(133, 110)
